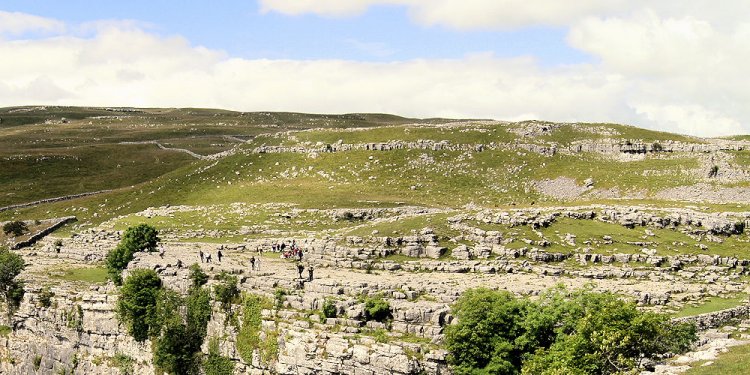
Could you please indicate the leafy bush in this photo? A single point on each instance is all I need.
(180, 330)
(16, 228)
(176, 350)
(125, 363)
(580, 332)
(197, 276)
(45, 297)
(116, 261)
(136, 306)
(198, 311)
(377, 309)
(215, 363)
(226, 291)
(142, 237)
(329, 309)
(11, 289)
(279, 296)
(248, 337)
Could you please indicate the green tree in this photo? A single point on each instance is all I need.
(176, 325)
(116, 261)
(176, 351)
(142, 237)
(197, 276)
(11, 288)
(215, 363)
(603, 334)
(226, 291)
(377, 309)
(180, 330)
(488, 323)
(16, 228)
(137, 305)
(198, 311)
(579, 332)
(328, 310)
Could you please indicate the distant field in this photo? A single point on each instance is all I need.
(45, 157)
(54, 151)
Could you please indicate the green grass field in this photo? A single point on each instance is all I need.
(712, 304)
(733, 362)
(84, 154)
(44, 156)
(89, 275)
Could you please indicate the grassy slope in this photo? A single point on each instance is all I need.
(733, 362)
(345, 179)
(45, 157)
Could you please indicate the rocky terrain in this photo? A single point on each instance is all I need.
(413, 213)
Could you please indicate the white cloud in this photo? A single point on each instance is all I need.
(674, 70)
(157, 71)
(15, 23)
(460, 14)
(331, 8)
(690, 119)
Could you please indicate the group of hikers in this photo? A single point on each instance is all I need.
(291, 252)
(207, 257)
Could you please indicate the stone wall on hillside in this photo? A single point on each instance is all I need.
(717, 318)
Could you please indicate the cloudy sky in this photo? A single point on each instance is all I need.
(674, 65)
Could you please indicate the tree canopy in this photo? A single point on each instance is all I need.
(176, 325)
(11, 265)
(564, 332)
(16, 228)
(137, 306)
(141, 237)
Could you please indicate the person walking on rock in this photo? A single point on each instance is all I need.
(252, 264)
(310, 272)
(208, 258)
(300, 268)
(218, 255)
(200, 252)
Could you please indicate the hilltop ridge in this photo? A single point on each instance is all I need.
(411, 211)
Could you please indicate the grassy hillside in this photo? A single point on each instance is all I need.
(84, 154)
(54, 151)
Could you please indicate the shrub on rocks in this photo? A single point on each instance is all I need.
(142, 237)
(377, 309)
(197, 276)
(226, 291)
(215, 363)
(16, 228)
(579, 332)
(11, 289)
(136, 306)
(329, 309)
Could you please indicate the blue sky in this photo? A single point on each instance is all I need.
(673, 65)
(383, 33)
